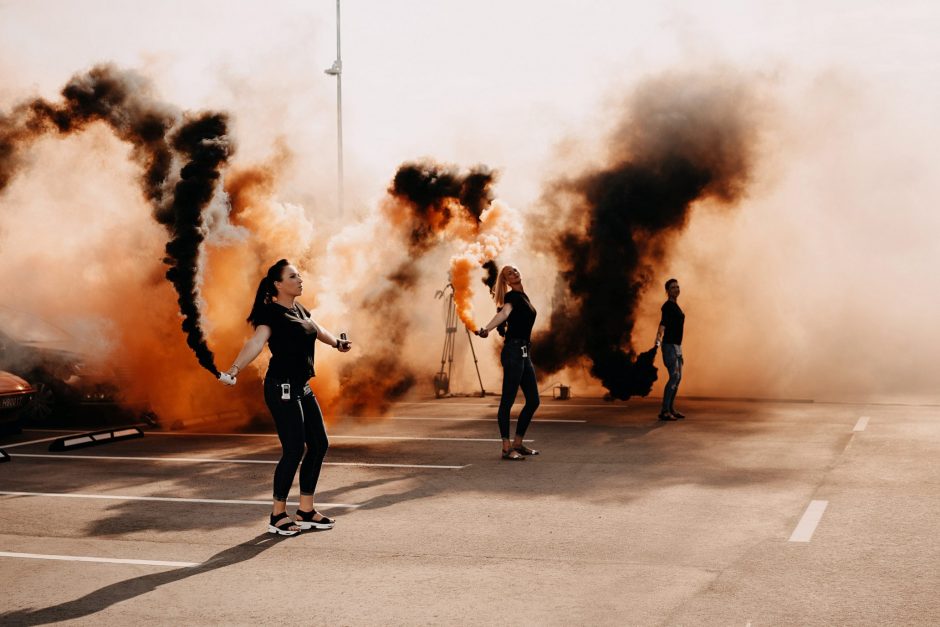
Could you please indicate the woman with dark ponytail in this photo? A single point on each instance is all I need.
(286, 326)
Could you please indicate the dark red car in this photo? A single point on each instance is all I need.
(15, 395)
(69, 383)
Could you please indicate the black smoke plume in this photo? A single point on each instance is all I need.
(436, 194)
(492, 273)
(424, 199)
(683, 140)
(160, 137)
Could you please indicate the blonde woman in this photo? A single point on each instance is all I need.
(515, 310)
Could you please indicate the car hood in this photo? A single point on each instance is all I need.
(10, 383)
(63, 349)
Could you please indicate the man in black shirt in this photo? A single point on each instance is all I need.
(669, 336)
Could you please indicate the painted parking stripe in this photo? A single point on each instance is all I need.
(487, 406)
(436, 418)
(207, 460)
(169, 499)
(102, 560)
(335, 437)
(56, 437)
(861, 424)
(807, 525)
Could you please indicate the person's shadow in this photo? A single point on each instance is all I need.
(123, 590)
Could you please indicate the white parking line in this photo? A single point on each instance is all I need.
(38, 441)
(445, 403)
(435, 418)
(226, 461)
(807, 525)
(103, 560)
(122, 497)
(333, 437)
(861, 424)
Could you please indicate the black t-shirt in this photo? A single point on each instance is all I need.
(522, 316)
(291, 345)
(674, 320)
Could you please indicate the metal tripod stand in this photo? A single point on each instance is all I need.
(442, 378)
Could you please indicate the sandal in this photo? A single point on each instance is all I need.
(513, 455)
(666, 416)
(282, 530)
(305, 520)
(522, 449)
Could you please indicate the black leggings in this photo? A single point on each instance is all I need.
(299, 423)
(517, 371)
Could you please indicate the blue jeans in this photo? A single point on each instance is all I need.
(517, 371)
(672, 359)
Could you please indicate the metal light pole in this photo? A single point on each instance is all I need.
(337, 70)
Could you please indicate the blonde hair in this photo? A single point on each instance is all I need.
(501, 287)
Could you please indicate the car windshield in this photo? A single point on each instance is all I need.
(24, 327)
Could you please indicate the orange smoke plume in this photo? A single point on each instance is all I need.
(499, 228)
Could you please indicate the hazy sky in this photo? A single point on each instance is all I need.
(827, 273)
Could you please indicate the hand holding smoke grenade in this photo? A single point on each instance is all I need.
(227, 379)
(343, 342)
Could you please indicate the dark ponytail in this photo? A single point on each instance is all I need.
(266, 291)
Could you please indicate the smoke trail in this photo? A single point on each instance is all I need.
(683, 140)
(203, 141)
(159, 136)
(375, 381)
(433, 198)
(492, 272)
(498, 229)
(428, 204)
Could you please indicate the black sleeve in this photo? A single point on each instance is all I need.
(264, 317)
(501, 329)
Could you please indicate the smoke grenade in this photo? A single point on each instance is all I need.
(162, 139)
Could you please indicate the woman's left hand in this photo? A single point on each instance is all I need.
(344, 346)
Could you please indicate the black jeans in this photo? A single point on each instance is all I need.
(517, 371)
(299, 424)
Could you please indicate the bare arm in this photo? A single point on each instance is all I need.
(252, 348)
(326, 337)
(323, 334)
(497, 320)
(659, 335)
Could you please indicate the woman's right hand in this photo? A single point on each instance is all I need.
(227, 379)
(483, 332)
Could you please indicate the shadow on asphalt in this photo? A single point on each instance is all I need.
(619, 457)
(104, 598)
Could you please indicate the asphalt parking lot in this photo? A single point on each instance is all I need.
(745, 513)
